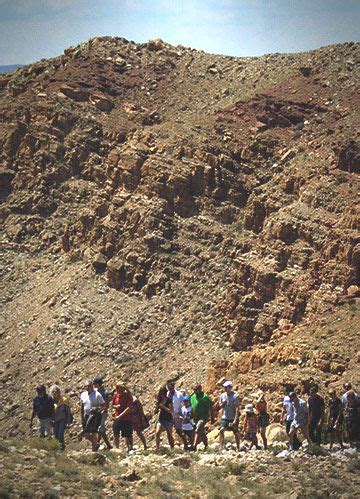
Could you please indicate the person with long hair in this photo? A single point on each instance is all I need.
(62, 416)
(165, 421)
(139, 420)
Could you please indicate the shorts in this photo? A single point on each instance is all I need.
(200, 426)
(167, 425)
(45, 427)
(250, 435)
(102, 428)
(225, 423)
(263, 419)
(122, 426)
(297, 426)
(91, 422)
(188, 433)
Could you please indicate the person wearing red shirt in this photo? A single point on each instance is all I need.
(122, 418)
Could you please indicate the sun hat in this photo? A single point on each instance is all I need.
(249, 408)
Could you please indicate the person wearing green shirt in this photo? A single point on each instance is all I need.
(202, 408)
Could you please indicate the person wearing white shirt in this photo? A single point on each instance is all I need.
(288, 416)
(92, 405)
(177, 400)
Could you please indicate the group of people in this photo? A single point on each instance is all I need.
(308, 417)
(188, 415)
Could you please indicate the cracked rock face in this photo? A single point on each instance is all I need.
(220, 190)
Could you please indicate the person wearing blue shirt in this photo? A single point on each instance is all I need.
(44, 409)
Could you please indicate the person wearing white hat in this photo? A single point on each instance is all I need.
(229, 402)
(251, 426)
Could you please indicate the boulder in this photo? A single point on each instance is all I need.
(92, 458)
(6, 178)
(101, 102)
(156, 45)
(348, 156)
(275, 432)
(75, 93)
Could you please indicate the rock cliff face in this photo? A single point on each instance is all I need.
(217, 194)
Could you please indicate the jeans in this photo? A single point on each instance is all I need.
(59, 431)
(315, 431)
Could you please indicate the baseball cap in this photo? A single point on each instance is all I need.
(227, 383)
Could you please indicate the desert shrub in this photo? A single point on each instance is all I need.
(48, 444)
(3, 448)
(233, 468)
(44, 471)
(353, 466)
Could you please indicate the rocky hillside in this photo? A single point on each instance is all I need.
(165, 210)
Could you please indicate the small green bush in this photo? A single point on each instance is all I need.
(233, 468)
(48, 444)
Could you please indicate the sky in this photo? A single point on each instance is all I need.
(35, 29)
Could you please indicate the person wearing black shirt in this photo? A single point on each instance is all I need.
(335, 419)
(316, 407)
(43, 408)
(165, 419)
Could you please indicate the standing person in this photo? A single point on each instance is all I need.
(165, 421)
(91, 407)
(139, 420)
(98, 385)
(122, 418)
(316, 406)
(229, 402)
(251, 426)
(352, 418)
(263, 418)
(62, 416)
(44, 410)
(300, 421)
(335, 419)
(188, 423)
(288, 415)
(347, 388)
(177, 400)
(202, 408)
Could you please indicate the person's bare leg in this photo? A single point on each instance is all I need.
(205, 439)
(107, 441)
(222, 438)
(292, 435)
(198, 440)
(170, 437)
(263, 436)
(340, 438)
(129, 443)
(305, 433)
(237, 440)
(158, 436)
(142, 438)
